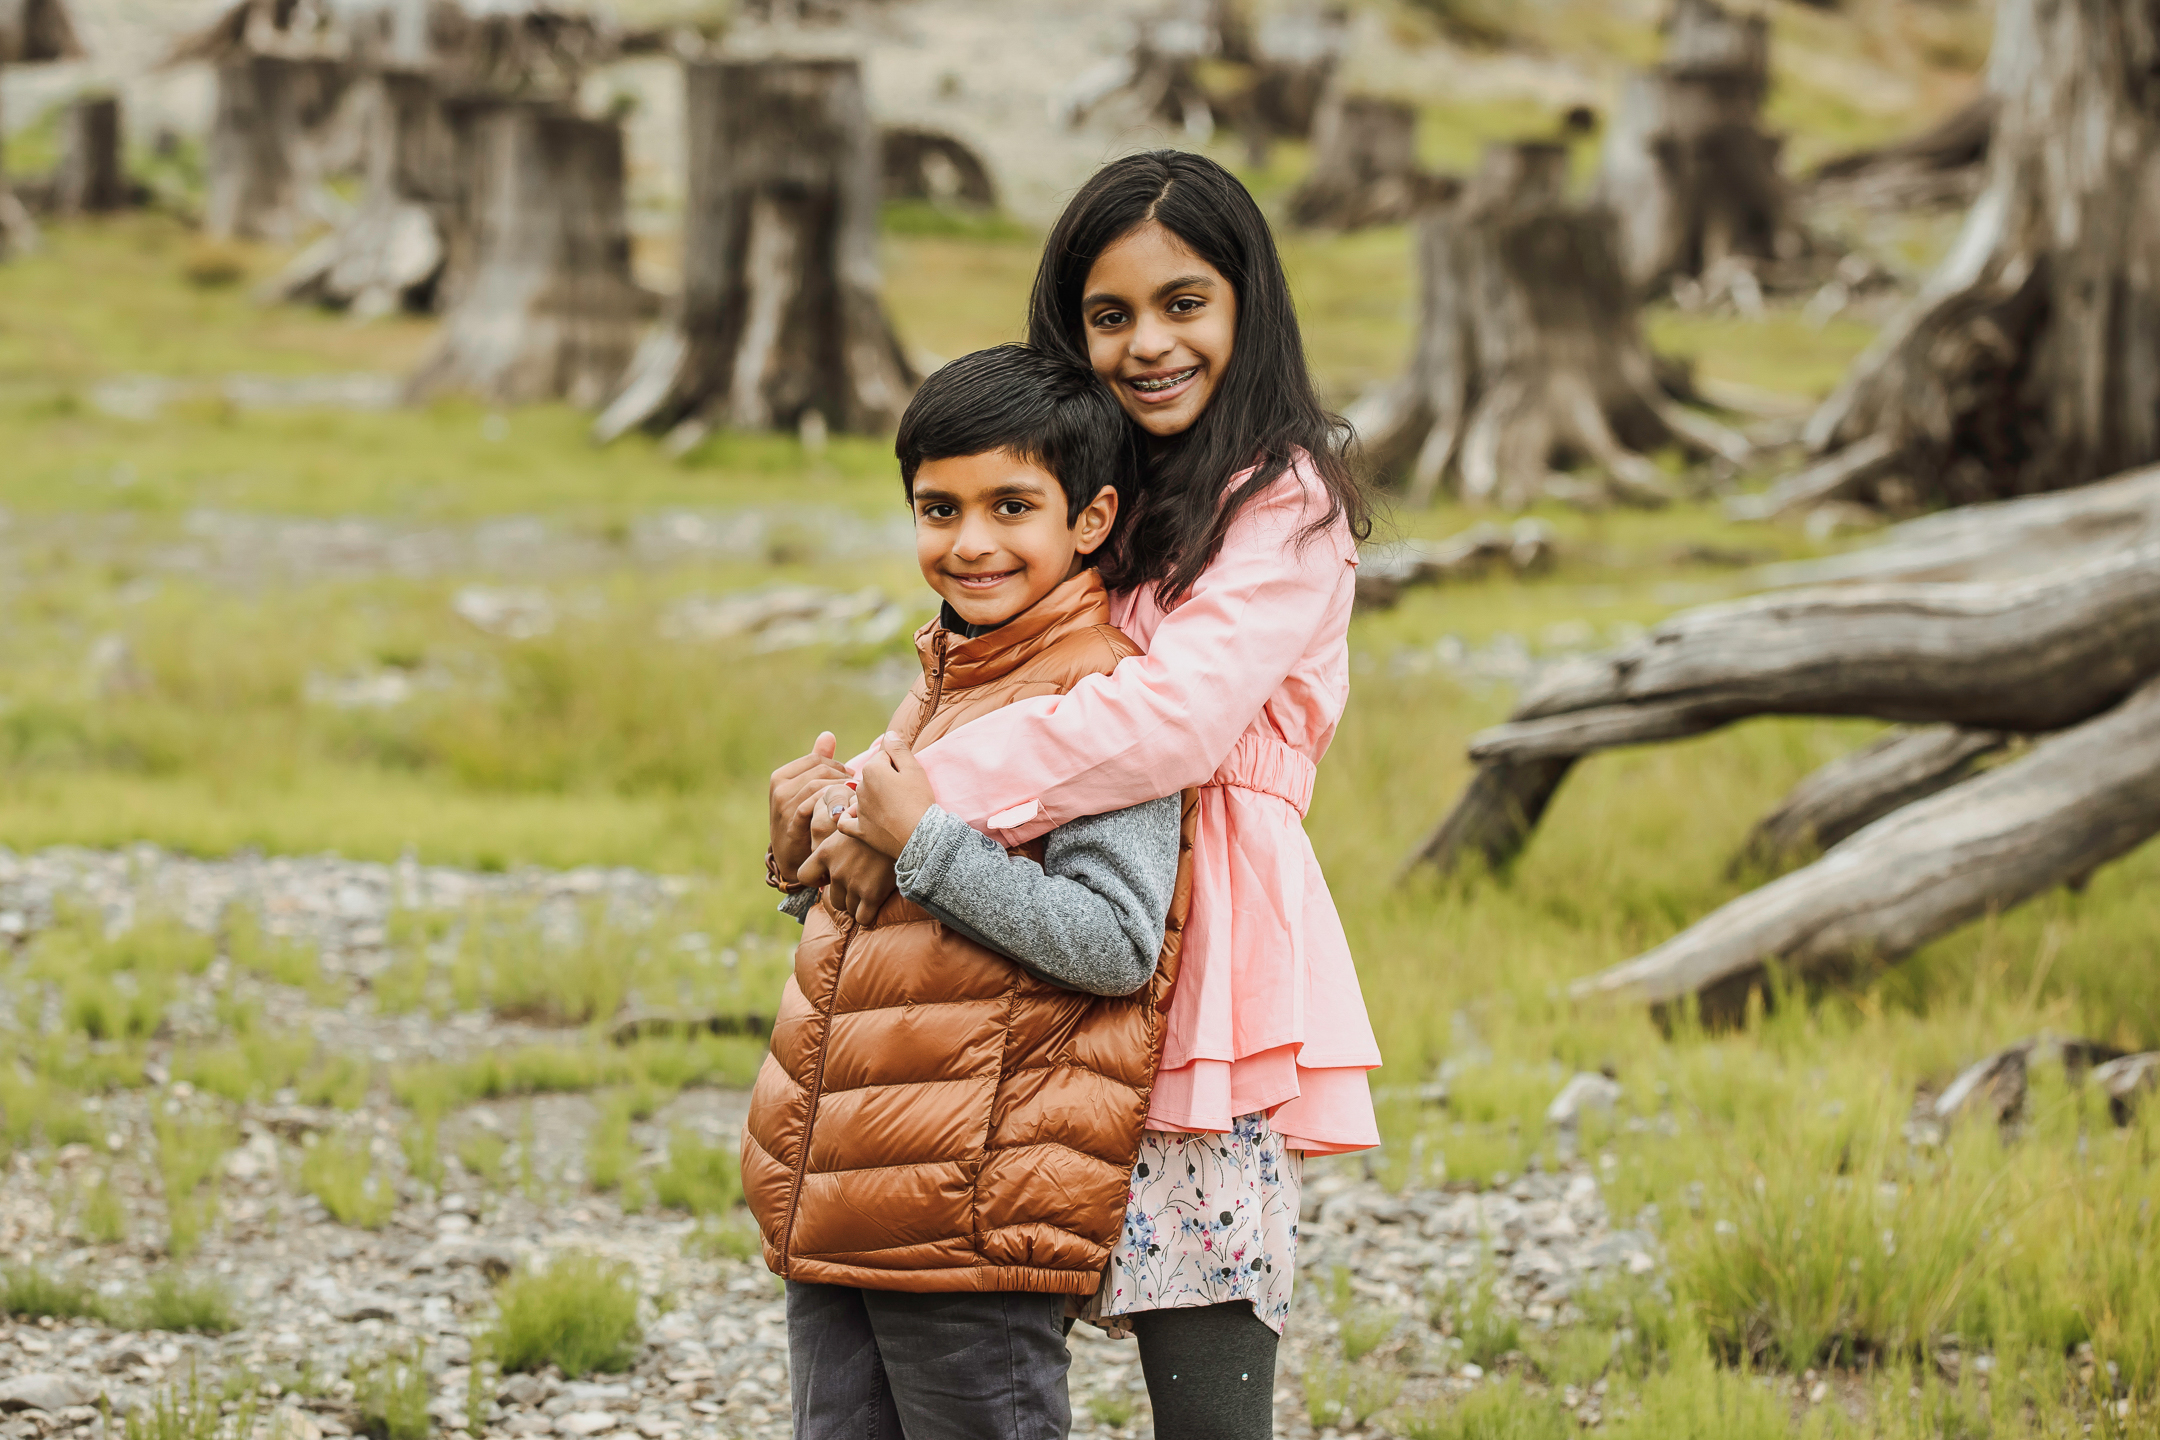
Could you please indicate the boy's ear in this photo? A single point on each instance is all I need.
(1096, 521)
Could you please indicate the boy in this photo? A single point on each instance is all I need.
(940, 1142)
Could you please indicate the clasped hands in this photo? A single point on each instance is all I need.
(846, 840)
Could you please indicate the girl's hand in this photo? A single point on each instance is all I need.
(857, 879)
(787, 817)
(890, 799)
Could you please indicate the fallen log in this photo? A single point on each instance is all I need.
(1495, 816)
(1385, 571)
(2073, 803)
(2029, 657)
(2000, 539)
(1853, 791)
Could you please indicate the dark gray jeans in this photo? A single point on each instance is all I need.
(881, 1365)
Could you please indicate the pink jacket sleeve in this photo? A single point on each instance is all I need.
(1165, 720)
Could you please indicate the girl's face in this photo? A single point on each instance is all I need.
(1160, 323)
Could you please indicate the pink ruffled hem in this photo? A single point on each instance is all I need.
(1320, 1112)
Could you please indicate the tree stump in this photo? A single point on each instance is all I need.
(1530, 354)
(920, 164)
(261, 162)
(91, 179)
(1942, 165)
(550, 309)
(393, 252)
(1364, 169)
(32, 32)
(1687, 166)
(2031, 358)
(780, 317)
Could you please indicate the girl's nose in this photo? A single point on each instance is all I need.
(1151, 340)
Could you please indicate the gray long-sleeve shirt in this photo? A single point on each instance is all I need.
(1090, 917)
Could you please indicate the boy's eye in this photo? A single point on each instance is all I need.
(937, 510)
(1011, 509)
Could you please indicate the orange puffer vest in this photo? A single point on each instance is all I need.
(931, 1116)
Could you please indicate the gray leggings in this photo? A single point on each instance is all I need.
(1210, 1371)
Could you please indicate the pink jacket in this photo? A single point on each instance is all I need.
(1239, 693)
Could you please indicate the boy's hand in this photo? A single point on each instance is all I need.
(857, 879)
(787, 816)
(890, 799)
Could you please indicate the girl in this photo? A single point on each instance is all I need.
(1236, 574)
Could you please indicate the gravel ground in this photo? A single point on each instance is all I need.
(313, 1296)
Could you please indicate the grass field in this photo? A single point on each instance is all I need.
(146, 699)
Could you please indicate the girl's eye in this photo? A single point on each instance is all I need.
(1109, 319)
(1184, 305)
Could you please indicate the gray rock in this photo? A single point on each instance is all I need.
(524, 1390)
(1587, 1091)
(584, 1422)
(44, 1390)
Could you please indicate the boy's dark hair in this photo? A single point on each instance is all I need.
(1048, 410)
(1266, 409)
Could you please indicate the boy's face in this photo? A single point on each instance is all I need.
(990, 533)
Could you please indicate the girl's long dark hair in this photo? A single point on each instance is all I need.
(1265, 409)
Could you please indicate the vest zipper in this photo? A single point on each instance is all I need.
(817, 1090)
(817, 1076)
(937, 678)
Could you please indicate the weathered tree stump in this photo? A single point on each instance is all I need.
(1944, 164)
(1687, 165)
(91, 179)
(32, 32)
(780, 317)
(419, 87)
(2031, 359)
(1853, 791)
(550, 310)
(261, 164)
(2073, 803)
(392, 253)
(919, 164)
(1365, 169)
(1530, 354)
(1291, 57)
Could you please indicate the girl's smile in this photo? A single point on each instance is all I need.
(1160, 324)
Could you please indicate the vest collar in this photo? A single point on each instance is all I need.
(1078, 604)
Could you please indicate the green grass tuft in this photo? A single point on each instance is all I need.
(1502, 1411)
(391, 1392)
(580, 1314)
(30, 1292)
(343, 1175)
(173, 1302)
(700, 1178)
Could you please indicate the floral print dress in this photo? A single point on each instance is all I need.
(1211, 1218)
